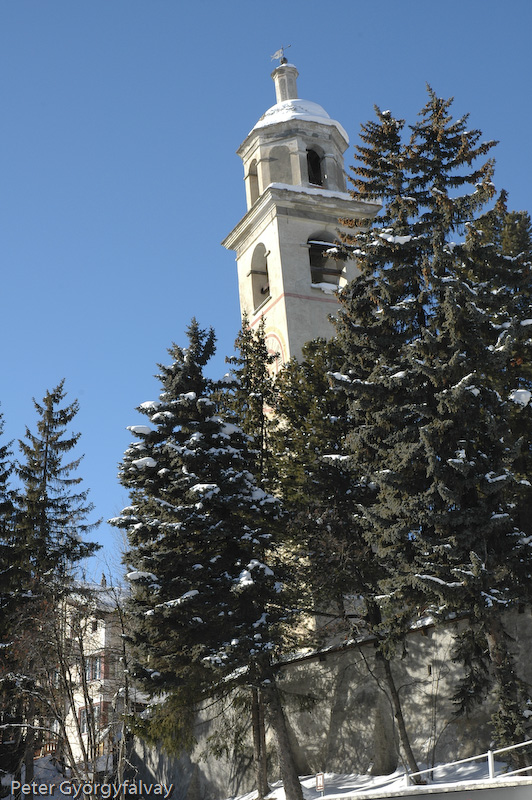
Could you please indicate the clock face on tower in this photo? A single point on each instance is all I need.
(275, 347)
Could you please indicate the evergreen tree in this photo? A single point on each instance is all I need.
(46, 538)
(9, 558)
(12, 742)
(381, 311)
(498, 258)
(499, 255)
(389, 253)
(53, 510)
(337, 570)
(321, 538)
(429, 430)
(205, 602)
(246, 397)
(249, 392)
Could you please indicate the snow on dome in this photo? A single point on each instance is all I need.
(298, 109)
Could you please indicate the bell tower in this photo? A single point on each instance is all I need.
(296, 193)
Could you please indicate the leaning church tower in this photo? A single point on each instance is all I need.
(296, 193)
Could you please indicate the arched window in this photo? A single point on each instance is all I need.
(253, 179)
(326, 261)
(260, 283)
(315, 174)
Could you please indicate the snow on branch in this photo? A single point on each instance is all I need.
(144, 463)
(449, 585)
(520, 396)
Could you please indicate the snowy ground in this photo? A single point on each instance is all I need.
(45, 773)
(345, 786)
(342, 786)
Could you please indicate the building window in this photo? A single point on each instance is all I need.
(83, 720)
(99, 716)
(260, 281)
(94, 625)
(326, 261)
(93, 668)
(315, 174)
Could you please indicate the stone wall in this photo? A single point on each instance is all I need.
(340, 717)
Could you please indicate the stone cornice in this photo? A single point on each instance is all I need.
(293, 199)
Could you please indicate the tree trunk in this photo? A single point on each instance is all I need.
(18, 778)
(30, 745)
(259, 744)
(398, 714)
(289, 776)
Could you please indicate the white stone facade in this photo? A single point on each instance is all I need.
(97, 679)
(91, 690)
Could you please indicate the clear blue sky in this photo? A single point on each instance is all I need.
(119, 179)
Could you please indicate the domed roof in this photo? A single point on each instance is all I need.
(296, 108)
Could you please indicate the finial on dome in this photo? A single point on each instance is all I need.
(285, 78)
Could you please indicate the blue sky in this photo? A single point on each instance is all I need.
(119, 179)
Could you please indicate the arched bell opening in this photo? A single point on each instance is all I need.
(315, 168)
(253, 182)
(326, 259)
(260, 282)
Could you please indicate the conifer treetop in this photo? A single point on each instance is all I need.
(53, 512)
(200, 528)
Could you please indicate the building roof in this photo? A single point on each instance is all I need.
(295, 108)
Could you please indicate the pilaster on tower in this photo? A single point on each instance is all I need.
(296, 194)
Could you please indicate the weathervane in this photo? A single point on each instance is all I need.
(279, 54)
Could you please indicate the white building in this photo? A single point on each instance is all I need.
(91, 688)
(95, 632)
(296, 196)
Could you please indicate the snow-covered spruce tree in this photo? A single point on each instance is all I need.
(498, 257)
(205, 603)
(499, 546)
(499, 254)
(382, 311)
(386, 299)
(429, 429)
(246, 397)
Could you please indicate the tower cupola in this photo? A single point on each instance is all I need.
(286, 242)
(295, 142)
